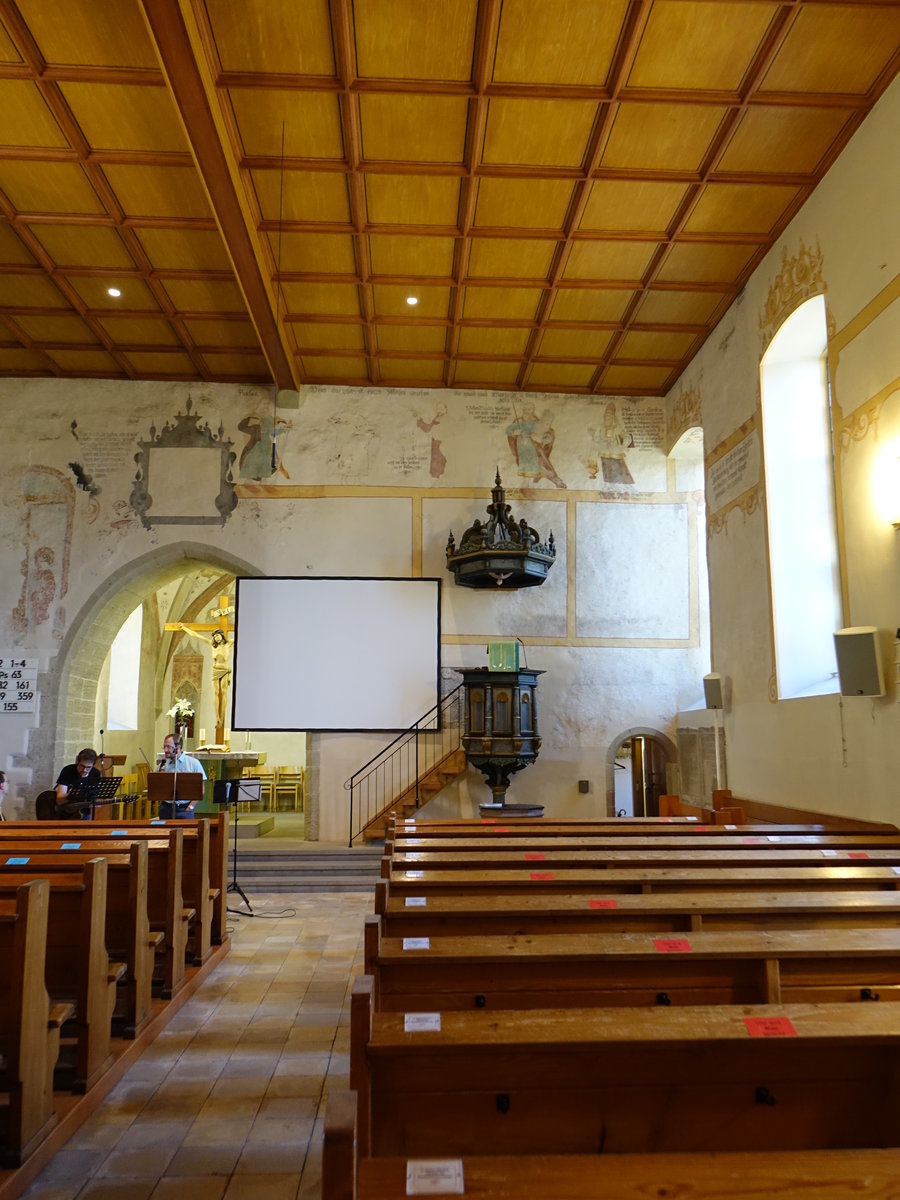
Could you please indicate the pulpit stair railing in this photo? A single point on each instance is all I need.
(398, 773)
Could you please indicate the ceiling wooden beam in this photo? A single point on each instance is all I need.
(194, 98)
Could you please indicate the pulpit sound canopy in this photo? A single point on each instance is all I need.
(335, 654)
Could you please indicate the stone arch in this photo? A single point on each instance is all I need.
(635, 731)
(69, 694)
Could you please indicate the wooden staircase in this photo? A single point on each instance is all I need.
(408, 802)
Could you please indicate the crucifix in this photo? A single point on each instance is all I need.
(221, 667)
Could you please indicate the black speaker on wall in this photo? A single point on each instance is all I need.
(859, 661)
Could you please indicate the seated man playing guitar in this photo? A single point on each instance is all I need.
(73, 794)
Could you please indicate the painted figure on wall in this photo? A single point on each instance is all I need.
(437, 461)
(606, 449)
(531, 439)
(47, 509)
(256, 457)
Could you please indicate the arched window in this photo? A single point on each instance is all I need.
(125, 674)
(800, 510)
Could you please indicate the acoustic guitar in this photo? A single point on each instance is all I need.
(46, 808)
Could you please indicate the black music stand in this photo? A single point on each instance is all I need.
(233, 791)
(88, 795)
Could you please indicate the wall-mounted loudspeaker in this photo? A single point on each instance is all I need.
(712, 690)
(859, 661)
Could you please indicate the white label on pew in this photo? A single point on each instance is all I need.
(157, 822)
(731, 826)
(416, 901)
(16, 862)
(412, 841)
(435, 1177)
(830, 853)
(412, 857)
(415, 874)
(774, 837)
(690, 818)
(421, 1022)
(118, 833)
(70, 846)
(896, 870)
(416, 943)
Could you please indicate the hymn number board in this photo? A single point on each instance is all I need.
(18, 683)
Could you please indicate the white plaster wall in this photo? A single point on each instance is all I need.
(824, 754)
(371, 482)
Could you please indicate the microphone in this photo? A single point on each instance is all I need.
(102, 755)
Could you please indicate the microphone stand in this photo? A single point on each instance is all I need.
(102, 769)
(232, 798)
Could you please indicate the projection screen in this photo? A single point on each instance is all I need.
(330, 654)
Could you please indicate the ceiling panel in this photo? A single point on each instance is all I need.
(545, 43)
(574, 192)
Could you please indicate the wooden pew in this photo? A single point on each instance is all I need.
(165, 907)
(612, 881)
(29, 1024)
(726, 842)
(78, 969)
(739, 856)
(779, 1077)
(797, 1175)
(424, 916)
(197, 891)
(528, 827)
(631, 969)
(218, 854)
(128, 934)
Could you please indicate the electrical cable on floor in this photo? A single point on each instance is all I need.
(265, 916)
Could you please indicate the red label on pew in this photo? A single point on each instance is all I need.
(489, 820)
(770, 1027)
(751, 841)
(535, 857)
(701, 828)
(672, 945)
(500, 829)
(857, 854)
(603, 904)
(541, 874)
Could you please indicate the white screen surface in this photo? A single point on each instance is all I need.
(335, 654)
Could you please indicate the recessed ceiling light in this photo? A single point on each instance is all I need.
(412, 300)
(113, 292)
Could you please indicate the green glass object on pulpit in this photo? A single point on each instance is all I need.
(503, 656)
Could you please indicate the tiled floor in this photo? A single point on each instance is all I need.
(229, 1099)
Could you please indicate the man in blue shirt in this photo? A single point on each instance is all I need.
(184, 764)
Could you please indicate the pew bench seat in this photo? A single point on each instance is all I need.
(789, 1175)
(635, 1081)
(631, 969)
(29, 1025)
(414, 916)
(625, 858)
(420, 879)
(78, 970)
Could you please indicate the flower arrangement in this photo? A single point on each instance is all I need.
(182, 710)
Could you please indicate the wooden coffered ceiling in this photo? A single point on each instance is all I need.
(574, 190)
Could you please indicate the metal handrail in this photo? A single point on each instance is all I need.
(403, 762)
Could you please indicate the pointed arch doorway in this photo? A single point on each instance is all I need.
(636, 772)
